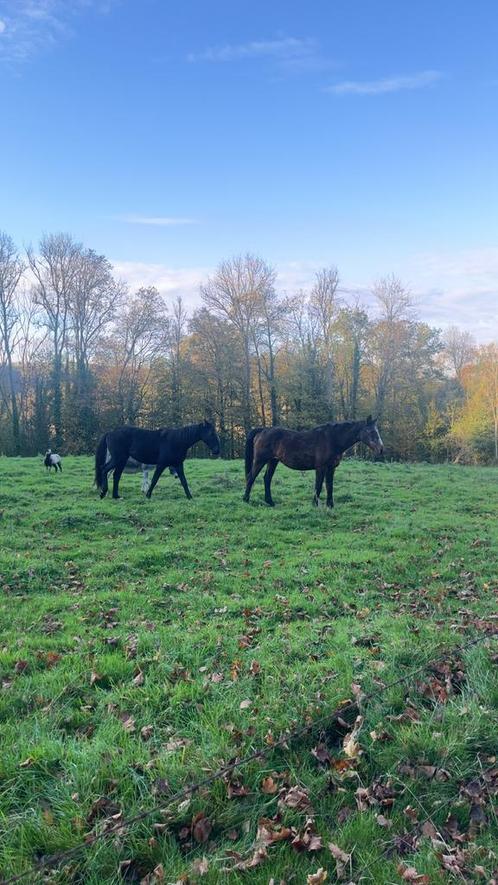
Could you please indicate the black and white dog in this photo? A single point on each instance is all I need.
(52, 460)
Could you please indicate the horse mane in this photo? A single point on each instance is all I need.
(187, 435)
(342, 425)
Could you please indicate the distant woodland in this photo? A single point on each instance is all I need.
(80, 354)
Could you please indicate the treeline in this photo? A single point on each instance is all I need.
(79, 354)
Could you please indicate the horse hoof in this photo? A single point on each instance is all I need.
(270, 503)
(102, 494)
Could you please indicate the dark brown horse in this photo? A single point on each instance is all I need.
(320, 449)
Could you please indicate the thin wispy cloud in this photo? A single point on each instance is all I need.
(155, 220)
(386, 85)
(282, 49)
(30, 27)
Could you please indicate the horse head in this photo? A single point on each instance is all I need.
(369, 434)
(210, 437)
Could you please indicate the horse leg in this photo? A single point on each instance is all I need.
(183, 479)
(255, 471)
(116, 477)
(60, 466)
(108, 466)
(157, 473)
(319, 475)
(270, 470)
(145, 480)
(329, 482)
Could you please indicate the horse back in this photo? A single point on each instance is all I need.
(136, 443)
(297, 449)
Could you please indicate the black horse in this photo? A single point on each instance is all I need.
(320, 449)
(167, 447)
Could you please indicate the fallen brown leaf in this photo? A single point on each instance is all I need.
(342, 859)
(201, 828)
(410, 874)
(268, 786)
(200, 867)
(317, 878)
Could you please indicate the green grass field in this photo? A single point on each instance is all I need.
(145, 643)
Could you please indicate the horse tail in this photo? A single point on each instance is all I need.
(249, 453)
(100, 459)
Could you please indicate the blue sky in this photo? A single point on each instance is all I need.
(171, 135)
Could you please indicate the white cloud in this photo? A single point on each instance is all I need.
(169, 281)
(458, 288)
(29, 27)
(155, 220)
(386, 85)
(283, 48)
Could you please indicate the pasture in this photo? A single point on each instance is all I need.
(145, 643)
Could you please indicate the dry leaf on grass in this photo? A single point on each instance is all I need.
(268, 786)
(342, 860)
(296, 797)
(200, 867)
(201, 828)
(317, 878)
(410, 874)
(308, 840)
(139, 679)
(146, 732)
(350, 743)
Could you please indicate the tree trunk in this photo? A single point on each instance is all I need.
(355, 382)
(16, 433)
(246, 405)
(273, 388)
(57, 401)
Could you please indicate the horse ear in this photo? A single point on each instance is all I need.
(369, 419)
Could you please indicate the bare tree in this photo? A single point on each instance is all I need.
(217, 360)
(11, 270)
(142, 334)
(459, 350)
(267, 334)
(395, 301)
(352, 331)
(56, 268)
(389, 333)
(323, 307)
(235, 293)
(94, 302)
(178, 328)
